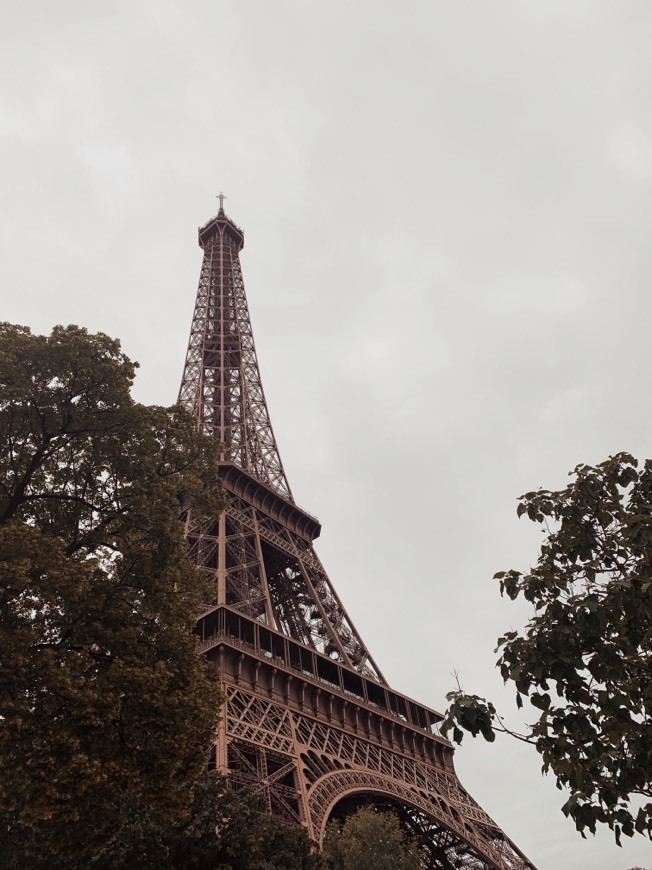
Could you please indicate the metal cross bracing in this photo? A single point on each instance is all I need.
(309, 718)
(259, 553)
(221, 382)
(316, 750)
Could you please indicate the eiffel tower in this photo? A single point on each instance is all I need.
(309, 718)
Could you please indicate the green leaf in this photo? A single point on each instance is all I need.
(588, 635)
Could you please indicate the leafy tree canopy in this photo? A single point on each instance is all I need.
(584, 659)
(249, 838)
(225, 829)
(106, 710)
(369, 840)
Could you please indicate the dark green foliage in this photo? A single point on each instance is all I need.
(227, 830)
(248, 837)
(584, 659)
(223, 830)
(107, 712)
(369, 840)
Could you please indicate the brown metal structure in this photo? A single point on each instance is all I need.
(309, 718)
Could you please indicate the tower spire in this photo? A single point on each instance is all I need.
(221, 382)
(309, 720)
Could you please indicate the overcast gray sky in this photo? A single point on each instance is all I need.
(447, 213)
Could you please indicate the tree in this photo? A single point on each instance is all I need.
(231, 830)
(106, 710)
(369, 840)
(248, 837)
(584, 659)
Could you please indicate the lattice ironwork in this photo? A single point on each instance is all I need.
(309, 719)
(329, 763)
(260, 563)
(221, 382)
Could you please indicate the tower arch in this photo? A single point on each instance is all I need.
(448, 829)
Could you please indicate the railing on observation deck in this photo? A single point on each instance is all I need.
(217, 624)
